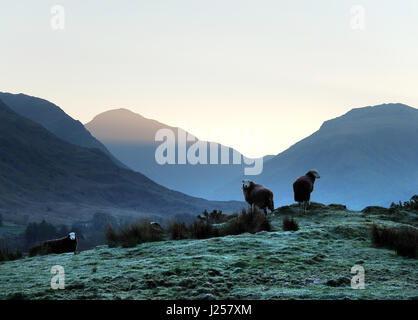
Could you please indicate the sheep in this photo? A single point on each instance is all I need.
(303, 186)
(257, 195)
(62, 245)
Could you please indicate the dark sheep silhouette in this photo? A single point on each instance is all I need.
(303, 186)
(257, 195)
(62, 245)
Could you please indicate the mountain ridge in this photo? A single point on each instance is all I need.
(131, 137)
(38, 168)
(55, 120)
(357, 155)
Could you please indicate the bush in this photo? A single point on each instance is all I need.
(251, 222)
(36, 232)
(412, 204)
(178, 230)
(403, 240)
(214, 217)
(202, 230)
(132, 235)
(8, 255)
(289, 224)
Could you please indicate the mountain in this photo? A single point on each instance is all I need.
(42, 175)
(131, 138)
(368, 156)
(55, 120)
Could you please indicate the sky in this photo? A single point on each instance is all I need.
(255, 75)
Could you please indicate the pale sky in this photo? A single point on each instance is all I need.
(226, 70)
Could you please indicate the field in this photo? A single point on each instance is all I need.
(311, 263)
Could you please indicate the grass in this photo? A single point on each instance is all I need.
(289, 224)
(251, 222)
(403, 240)
(9, 255)
(311, 263)
(178, 230)
(132, 235)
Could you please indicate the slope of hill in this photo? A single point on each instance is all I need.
(131, 138)
(42, 174)
(367, 156)
(55, 120)
(312, 263)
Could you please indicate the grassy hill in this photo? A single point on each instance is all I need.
(311, 263)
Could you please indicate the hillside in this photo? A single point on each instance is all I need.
(43, 176)
(366, 157)
(312, 263)
(131, 138)
(55, 120)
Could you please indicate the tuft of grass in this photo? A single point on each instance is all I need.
(289, 224)
(251, 222)
(403, 240)
(132, 235)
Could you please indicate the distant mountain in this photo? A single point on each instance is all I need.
(369, 156)
(131, 138)
(45, 176)
(55, 120)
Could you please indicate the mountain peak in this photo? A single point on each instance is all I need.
(123, 125)
(385, 107)
(370, 116)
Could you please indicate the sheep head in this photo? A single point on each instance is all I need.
(246, 184)
(313, 173)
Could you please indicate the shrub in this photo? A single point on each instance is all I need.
(111, 236)
(132, 235)
(178, 230)
(251, 222)
(36, 232)
(289, 224)
(412, 204)
(214, 217)
(8, 255)
(202, 230)
(403, 240)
